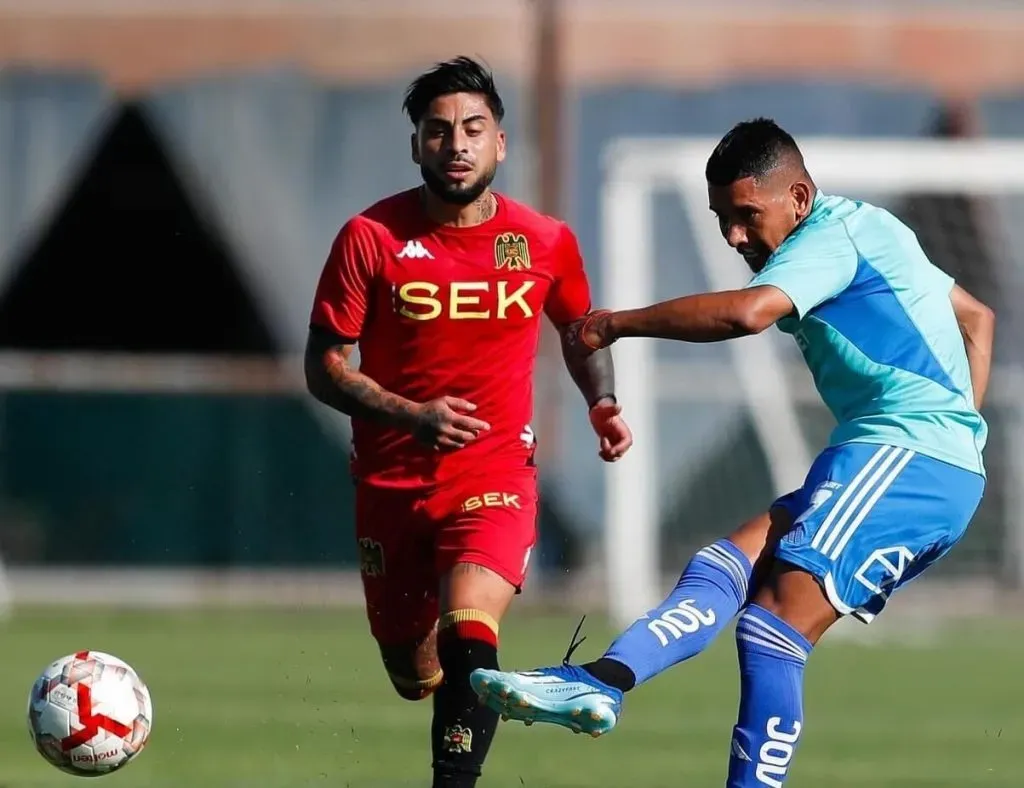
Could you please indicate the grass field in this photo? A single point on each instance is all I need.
(276, 699)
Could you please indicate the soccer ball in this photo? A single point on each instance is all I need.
(89, 713)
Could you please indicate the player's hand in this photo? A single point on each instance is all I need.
(612, 431)
(445, 423)
(591, 332)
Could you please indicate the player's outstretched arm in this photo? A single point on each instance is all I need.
(706, 317)
(977, 325)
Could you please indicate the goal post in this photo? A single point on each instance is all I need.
(634, 171)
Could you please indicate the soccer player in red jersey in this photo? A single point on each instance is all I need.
(442, 288)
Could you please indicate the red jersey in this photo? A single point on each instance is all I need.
(456, 311)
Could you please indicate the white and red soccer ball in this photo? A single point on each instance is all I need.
(89, 713)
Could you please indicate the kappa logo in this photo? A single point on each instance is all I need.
(415, 250)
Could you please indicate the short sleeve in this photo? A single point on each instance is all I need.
(811, 268)
(342, 299)
(942, 281)
(569, 298)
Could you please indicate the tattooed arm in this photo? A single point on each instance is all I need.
(332, 380)
(594, 375)
(592, 372)
(341, 311)
(569, 298)
(442, 423)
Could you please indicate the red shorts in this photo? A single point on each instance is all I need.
(408, 539)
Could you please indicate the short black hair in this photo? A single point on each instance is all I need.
(751, 149)
(460, 75)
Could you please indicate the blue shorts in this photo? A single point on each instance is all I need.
(871, 518)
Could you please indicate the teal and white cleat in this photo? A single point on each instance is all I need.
(565, 695)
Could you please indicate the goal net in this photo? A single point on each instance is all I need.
(721, 429)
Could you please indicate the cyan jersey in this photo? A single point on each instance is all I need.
(875, 324)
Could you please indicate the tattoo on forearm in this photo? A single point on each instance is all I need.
(336, 384)
(594, 375)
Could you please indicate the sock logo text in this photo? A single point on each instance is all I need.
(776, 753)
(684, 619)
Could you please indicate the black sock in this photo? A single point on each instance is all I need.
(612, 673)
(462, 729)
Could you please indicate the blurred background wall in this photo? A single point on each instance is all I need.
(172, 175)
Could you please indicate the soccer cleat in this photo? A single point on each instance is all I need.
(563, 695)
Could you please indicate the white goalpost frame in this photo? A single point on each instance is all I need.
(635, 168)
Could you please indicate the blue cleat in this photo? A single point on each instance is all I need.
(565, 695)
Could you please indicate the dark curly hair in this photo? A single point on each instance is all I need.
(460, 75)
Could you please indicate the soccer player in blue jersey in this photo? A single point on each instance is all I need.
(899, 353)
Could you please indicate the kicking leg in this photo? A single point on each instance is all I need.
(870, 519)
(588, 698)
(712, 588)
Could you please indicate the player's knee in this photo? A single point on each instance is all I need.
(795, 596)
(416, 688)
(467, 639)
(413, 669)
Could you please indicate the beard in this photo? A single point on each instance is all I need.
(456, 193)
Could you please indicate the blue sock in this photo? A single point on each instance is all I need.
(772, 657)
(712, 588)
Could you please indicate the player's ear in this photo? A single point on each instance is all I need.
(501, 145)
(415, 148)
(802, 199)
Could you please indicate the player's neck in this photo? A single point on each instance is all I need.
(447, 214)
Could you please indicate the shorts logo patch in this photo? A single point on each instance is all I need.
(458, 739)
(371, 558)
(822, 493)
(492, 500)
(884, 569)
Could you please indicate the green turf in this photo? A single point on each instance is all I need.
(297, 699)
